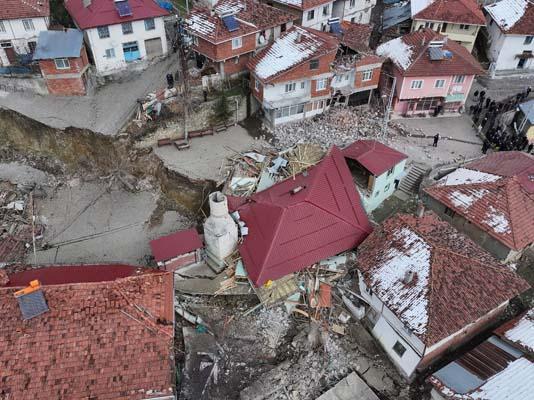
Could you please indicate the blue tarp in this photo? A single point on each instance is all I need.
(58, 44)
(528, 110)
(15, 70)
(396, 14)
(165, 5)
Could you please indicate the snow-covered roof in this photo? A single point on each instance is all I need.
(228, 7)
(497, 220)
(399, 52)
(463, 176)
(199, 24)
(522, 332)
(465, 200)
(507, 13)
(294, 47)
(297, 3)
(411, 301)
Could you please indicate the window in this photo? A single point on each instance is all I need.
(28, 25)
(449, 212)
(62, 63)
(353, 20)
(429, 25)
(440, 83)
(110, 53)
(399, 348)
(444, 27)
(377, 193)
(283, 28)
(237, 43)
(32, 46)
(387, 187)
(314, 64)
(390, 171)
(352, 3)
(127, 28)
(321, 84)
(2, 26)
(325, 11)
(347, 77)
(103, 32)
(464, 27)
(367, 75)
(417, 84)
(289, 110)
(150, 25)
(311, 15)
(528, 39)
(290, 87)
(302, 84)
(257, 85)
(459, 79)
(339, 78)
(236, 60)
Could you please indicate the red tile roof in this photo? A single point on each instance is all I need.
(455, 281)
(374, 156)
(176, 244)
(515, 17)
(289, 232)
(103, 12)
(105, 340)
(63, 274)
(453, 11)
(14, 9)
(356, 36)
(258, 17)
(503, 206)
(461, 63)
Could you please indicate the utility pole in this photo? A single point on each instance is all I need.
(388, 106)
(184, 76)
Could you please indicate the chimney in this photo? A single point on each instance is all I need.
(297, 189)
(87, 3)
(408, 277)
(31, 301)
(220, 232)
(299, 37)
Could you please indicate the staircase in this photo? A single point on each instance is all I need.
(409, 185)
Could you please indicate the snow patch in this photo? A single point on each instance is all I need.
(408, 301)
(297, 3)
(199, 23)
(513, 383)
(463, 176)
(399, 52)
(465, 200)
(497, 220)
(506, 13)
(523, 331)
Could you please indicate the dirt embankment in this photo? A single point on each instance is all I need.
(80, 151)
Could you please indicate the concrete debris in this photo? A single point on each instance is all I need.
(349, 388)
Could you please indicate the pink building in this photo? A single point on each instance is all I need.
(432, 74)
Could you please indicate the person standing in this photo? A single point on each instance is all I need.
(485, 147)
(436, 140)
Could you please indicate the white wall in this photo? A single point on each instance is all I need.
(319, 20)
(381, 191)
(360, 12)
(271, 34)
(117, 38)
(276, 93)
(504, 48)
(19, 37)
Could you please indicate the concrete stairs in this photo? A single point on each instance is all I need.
(409, 185)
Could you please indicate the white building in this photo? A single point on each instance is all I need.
(510, 26)
(358, 11)
(310, 13)
(429, 289)
(20, 24)
(120, 33)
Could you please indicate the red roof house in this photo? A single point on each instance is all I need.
(376, 157)
(300, 221)
(177, 249)
(15, 9)
(436, 284)
(92, 340)
(494, 198)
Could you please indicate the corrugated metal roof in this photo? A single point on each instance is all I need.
(374, 156)
(176, 244)
(58, 44)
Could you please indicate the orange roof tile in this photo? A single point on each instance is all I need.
(14, 9)
(453, 11)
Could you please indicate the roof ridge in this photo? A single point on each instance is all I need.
(423, 48)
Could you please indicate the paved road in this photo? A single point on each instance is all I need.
(105, 112)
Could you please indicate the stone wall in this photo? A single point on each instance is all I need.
(30, 84)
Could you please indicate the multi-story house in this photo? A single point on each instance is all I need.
(297, 76)
(429, 289)
(20, 24)
(310, 13)
(233, 30)
(459, 20)
(120, 33)
(358, 11)
(430, 73)
(511, 35)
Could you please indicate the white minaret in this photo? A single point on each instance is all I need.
(220, 231)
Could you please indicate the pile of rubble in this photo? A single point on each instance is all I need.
(338, 126)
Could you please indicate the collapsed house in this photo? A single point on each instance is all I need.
(491, 200)
(501, 367)
(87, 331)
(429, 289)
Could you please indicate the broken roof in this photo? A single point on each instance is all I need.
(513, 16)
(453, 281)
(293, 48)
(355, 36)
(410, 54)
(251, 17)
(495, 193)
(104, 12)
(520, 331)
(58, 44)
(84, 347)
(453, 11)
(374, 156)
(292, 229)
(175, 244)
(302, 4)
(14, 9)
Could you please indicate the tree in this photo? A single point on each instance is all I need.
(59, 14)
(221, 109)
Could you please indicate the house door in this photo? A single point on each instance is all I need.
(10, 52)
(521, 63)
(131, 51)
(153, 47)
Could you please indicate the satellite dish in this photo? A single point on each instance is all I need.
(261, 39)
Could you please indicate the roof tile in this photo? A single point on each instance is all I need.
(14, 9)
(453, 11)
